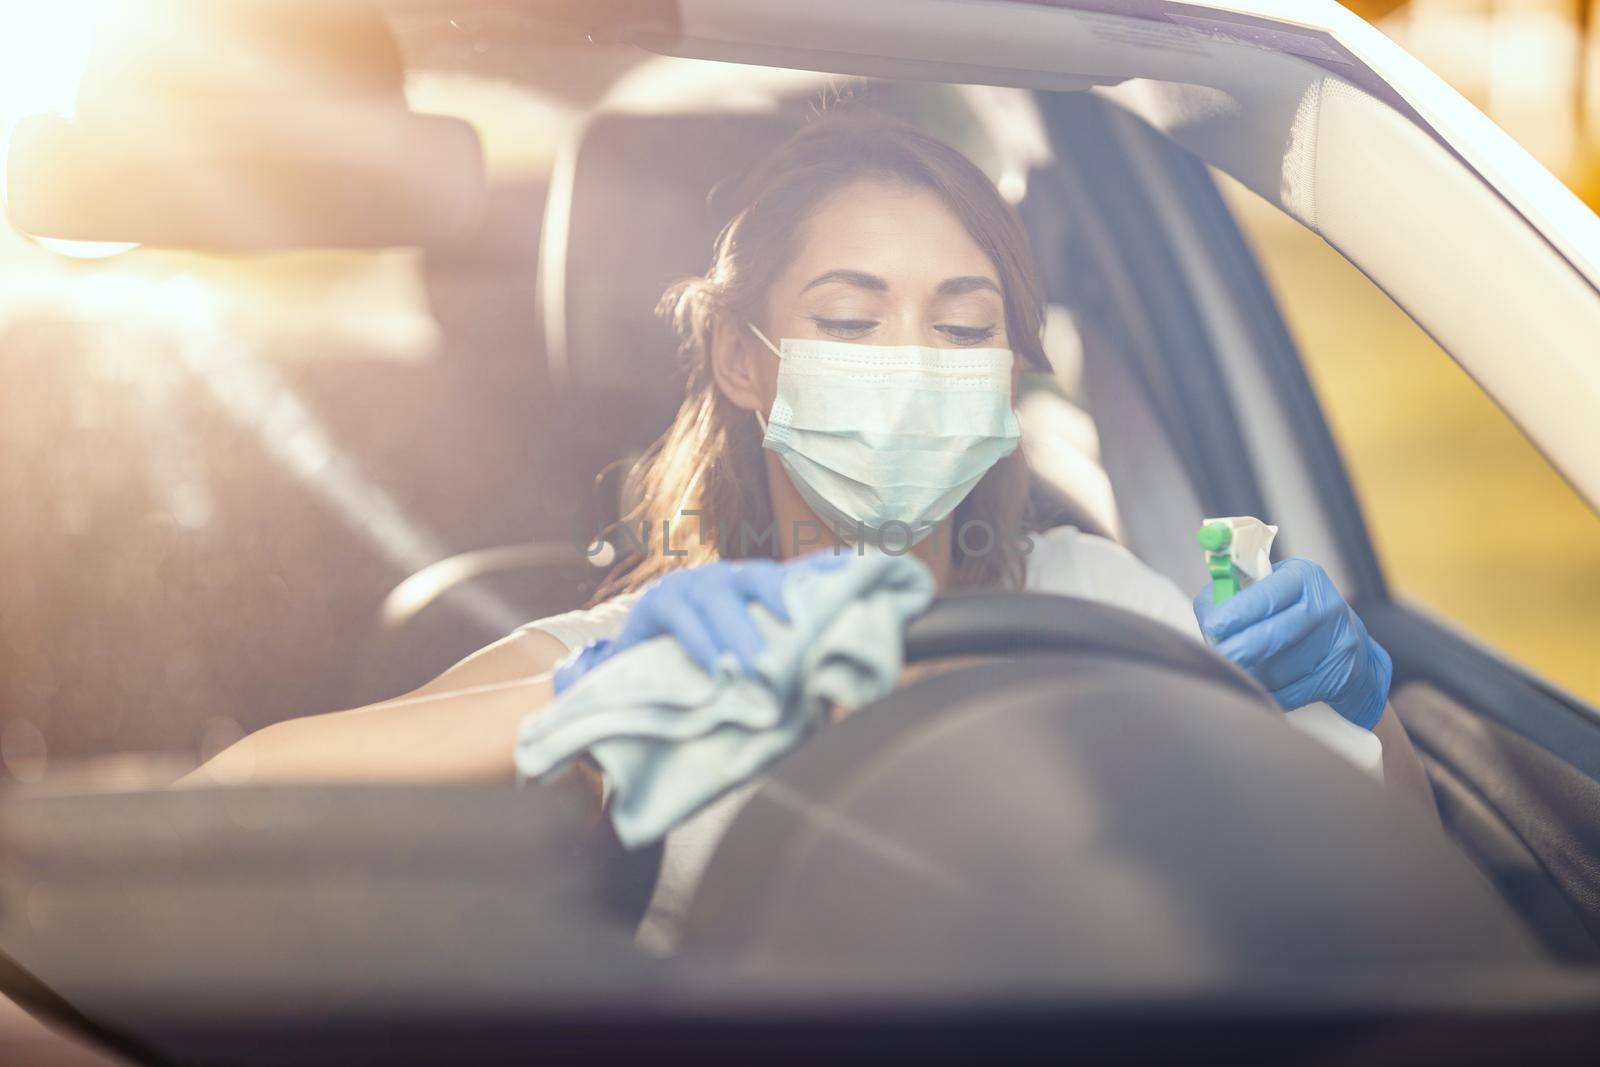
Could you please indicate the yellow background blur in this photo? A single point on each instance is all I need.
(1468, 519)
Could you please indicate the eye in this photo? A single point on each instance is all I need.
(967, 335)
(847, 328)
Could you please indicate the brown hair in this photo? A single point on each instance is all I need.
(709, 461)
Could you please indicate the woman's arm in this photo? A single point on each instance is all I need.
(463, 724)
(460, 726)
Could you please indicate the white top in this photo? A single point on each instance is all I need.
(1063, 561)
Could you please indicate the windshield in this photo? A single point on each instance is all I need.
(412, 364)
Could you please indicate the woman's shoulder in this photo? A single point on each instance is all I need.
(1066, 561)
(577, 628)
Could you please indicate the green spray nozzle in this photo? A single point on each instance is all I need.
(1215, 538)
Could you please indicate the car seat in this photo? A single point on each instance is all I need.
(632, 207)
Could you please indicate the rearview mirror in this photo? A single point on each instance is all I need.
(300, 174)
(244, 125)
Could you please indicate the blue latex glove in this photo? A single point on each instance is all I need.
(1295, 634)
(705, 609)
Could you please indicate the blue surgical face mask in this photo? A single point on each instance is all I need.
(877, 435)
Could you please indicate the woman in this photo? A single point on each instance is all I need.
(853, 353)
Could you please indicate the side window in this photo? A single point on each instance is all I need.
(1469, 520)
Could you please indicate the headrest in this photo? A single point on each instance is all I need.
(629, 214)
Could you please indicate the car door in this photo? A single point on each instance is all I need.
(1504, 723)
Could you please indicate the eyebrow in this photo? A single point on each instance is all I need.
(966, 283)
(859, 279)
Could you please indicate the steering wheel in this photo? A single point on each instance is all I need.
(1105, 800)
(1033, 643)
(1010, 624)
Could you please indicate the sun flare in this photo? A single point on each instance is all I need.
(43, 49)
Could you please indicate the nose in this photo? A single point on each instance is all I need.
(909, 326)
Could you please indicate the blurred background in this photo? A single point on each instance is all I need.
(215, 468)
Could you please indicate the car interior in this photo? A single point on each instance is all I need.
(372, 519)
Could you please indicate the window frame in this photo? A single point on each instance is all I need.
(1266, 381)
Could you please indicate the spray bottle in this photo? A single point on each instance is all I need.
(1238, 551)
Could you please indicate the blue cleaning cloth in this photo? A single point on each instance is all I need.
(670, 739)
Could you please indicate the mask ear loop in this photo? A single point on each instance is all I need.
(760, 418)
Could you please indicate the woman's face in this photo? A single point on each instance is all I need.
(882, 264)
(877, 263)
